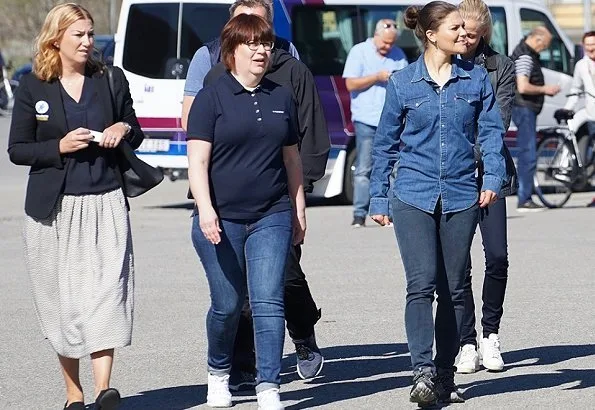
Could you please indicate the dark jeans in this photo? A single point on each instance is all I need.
(492, 222)
(526, 139)
(433, 243)
(301, 313)
(251, 256)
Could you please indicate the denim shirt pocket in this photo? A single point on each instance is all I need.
(467, 107)
(417, 111)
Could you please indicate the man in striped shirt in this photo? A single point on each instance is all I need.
(529, 96)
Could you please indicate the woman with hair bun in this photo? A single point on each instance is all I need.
(434, 111)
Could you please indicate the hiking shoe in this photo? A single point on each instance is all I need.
(490, 352)
(446, 389)
(269, 399)
(469, 360)
(309, 358)
(358, 222)
(423, 391)
(218, 394)
(241, 380)
(529, 206)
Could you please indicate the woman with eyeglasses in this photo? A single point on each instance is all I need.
(246, 177)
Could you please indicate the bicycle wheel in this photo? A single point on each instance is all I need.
(555, 172)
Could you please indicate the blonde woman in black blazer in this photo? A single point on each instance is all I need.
(78, 245)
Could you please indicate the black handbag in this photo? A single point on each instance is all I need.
(137, 177)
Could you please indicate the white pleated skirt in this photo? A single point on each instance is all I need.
(81, 265)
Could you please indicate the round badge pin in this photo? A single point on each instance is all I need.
(42, 107)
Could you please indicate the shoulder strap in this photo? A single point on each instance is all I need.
(110, 81)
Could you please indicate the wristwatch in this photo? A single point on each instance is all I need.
(127, 126)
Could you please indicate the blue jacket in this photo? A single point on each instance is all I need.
(430, 133)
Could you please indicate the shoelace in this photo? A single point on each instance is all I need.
(495, 348)
(303, 352)
(467, 355)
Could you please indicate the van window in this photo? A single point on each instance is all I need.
(323, 36)
(556, 57)
(152, 42)
(499, 41)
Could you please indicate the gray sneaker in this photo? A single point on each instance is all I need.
(423, 391)
(309, 358)
(240, 380)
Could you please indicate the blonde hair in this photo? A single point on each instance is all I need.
(477, 10)
(47, 64)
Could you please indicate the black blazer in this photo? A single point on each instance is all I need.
(38, 124)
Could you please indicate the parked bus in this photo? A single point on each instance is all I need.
(156, 40)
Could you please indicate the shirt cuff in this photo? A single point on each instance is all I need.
(491, 183)
(378, 206)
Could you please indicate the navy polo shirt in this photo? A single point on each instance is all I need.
(248, 130)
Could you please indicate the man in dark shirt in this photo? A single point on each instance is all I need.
(301, 312)
(529, 96)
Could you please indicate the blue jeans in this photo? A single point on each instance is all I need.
(252, 255)
(526, 139)
(430, 244)
(364, 136)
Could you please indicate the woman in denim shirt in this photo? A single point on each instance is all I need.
(432, 111)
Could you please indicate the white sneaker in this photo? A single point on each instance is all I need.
(218, 394)
(269, 400)
(468, 361)
(490, 352)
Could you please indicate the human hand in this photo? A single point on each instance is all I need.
(75, 140)
(299, 229)
(112, 135)
(381, 219)
(487, 198)
(551, 90)
(209, 225)
(383, 76)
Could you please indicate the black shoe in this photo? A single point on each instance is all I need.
(309, 358)
(592, 204)
(529, 206)
(241, 380)
(108, 399)
(75, 405)
(446, 389)
(423, 391)
(358, 221)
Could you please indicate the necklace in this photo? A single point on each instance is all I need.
(68, 83)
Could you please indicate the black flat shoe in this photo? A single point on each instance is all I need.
(108, 399)
(75, 405)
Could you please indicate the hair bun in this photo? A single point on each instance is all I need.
(411, 16)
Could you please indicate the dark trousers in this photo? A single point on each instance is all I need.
(434, 249)
(492, 223)
(301, 313)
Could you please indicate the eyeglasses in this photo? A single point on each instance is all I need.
(254, 45)
(389, 25)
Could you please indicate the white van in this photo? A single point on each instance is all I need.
(157, 38)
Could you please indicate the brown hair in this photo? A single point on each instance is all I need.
(267, 5)
(588, 34)
(477, 10)
(240, 30)
(429, 17)
(46, 63)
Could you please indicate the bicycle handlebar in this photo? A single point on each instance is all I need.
(580, 94)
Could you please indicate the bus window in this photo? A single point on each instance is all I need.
(151, 38)
(556, 57)
(406, 39)
(323, 36)
(499, 41)
(201, 22)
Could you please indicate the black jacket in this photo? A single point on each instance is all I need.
(501, 73)
(35, 134)
(314, 142)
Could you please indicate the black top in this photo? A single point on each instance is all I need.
(312, 129)
(87, 170)
(248, 130)
(532, 101)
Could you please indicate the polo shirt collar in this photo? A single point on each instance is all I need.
(421, 71)
(237, 88)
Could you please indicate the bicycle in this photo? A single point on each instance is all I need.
(7, 89)
(563, 162)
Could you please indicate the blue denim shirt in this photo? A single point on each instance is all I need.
(430, 132)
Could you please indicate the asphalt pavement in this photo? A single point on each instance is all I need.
(357, 279)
